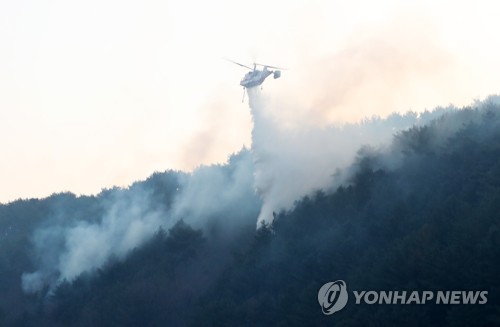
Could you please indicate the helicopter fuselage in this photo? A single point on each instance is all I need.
(255, 78)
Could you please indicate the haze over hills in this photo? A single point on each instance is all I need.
(410, 202)
(137, 189)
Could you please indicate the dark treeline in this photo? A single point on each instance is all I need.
(424, 215)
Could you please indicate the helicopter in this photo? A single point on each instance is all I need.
(256, 77)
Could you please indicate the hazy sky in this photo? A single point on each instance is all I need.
(102, 93)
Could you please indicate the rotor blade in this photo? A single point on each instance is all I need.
(269, 66)
(237, 63)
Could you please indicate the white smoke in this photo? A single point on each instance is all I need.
(296, 160)
(220, 194)
(64, 252)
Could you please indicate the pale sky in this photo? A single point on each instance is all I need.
(101, 93)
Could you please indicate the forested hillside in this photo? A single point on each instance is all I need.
(423, 214)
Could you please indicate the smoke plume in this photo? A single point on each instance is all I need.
(294, 161)
(218, 194)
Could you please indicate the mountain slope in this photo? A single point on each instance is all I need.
(422, 215)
